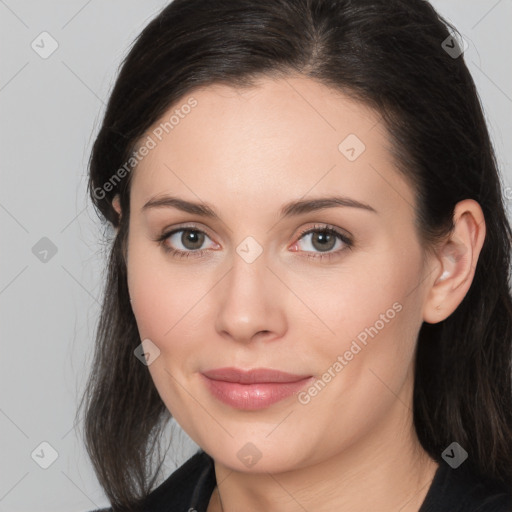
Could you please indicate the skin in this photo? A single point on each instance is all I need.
(247, 153)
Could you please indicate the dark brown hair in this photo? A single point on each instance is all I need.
(387, 54)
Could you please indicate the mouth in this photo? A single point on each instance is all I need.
(253, 389)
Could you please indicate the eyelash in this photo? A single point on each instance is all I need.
(177, 253)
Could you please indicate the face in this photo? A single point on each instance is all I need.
(329, 290)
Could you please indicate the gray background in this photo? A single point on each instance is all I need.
(49, 303)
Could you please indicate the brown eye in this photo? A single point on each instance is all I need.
(186, 242)
(192, 239)
(323, 239)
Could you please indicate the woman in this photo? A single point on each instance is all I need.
(310, 268)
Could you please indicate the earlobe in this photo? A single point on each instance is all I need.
(457, 259)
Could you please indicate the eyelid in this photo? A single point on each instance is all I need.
(168, 231)
(325, 227)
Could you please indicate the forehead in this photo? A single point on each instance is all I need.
(280, 139)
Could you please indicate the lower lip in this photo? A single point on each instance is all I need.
(253, 396)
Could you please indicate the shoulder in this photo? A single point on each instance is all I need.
(462, 490)
(188, 487)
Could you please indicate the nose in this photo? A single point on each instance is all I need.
(251, 302)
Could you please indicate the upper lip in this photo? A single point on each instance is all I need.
(252, 376)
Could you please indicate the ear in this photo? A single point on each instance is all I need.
(457, 259)
(116, 204)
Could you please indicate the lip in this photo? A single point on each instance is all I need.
(253, 389)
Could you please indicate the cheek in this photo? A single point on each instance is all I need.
(164, 304)
(374, 312)
(360, 300)
(167, 300)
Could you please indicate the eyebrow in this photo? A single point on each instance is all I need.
(291, 209)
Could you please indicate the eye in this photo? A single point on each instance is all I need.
(324, 239)
(185, 242)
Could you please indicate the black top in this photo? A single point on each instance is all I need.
(190, 487)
